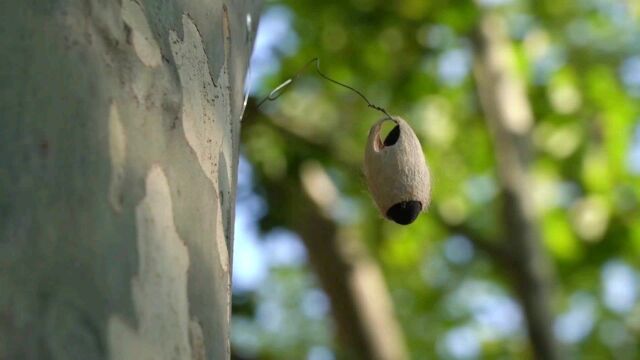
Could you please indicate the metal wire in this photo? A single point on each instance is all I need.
(275, 93)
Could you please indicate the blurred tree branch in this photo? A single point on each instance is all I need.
(495, 250)
(353, 280)
(360, 301)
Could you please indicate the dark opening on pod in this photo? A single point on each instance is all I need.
(405, 212)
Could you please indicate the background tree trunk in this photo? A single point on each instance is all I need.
(365, 321)
(510, 120)
(118, 156)
(361, 303)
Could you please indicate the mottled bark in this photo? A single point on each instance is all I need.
(118, 156)
(508, 113)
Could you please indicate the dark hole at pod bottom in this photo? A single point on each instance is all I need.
(405, 212)
(392, 136)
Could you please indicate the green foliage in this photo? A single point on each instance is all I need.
(415, 58)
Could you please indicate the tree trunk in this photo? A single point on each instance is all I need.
(360, 301)
(118, 156)
(509, 117)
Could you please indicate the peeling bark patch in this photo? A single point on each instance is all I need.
(206, 116)
(117, 153)
(160, 288)
(206, 113)
(226, 30)
(223, 251)
(142, 38)
(197, 341)
(126, 344)
(225, 224)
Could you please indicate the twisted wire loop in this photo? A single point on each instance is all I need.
(275, 93)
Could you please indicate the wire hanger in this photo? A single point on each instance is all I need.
(275, 93)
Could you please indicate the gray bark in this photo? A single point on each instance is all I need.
(118, 156)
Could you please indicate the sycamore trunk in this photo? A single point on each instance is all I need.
(118, 156)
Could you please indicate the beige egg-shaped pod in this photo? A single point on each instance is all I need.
(396, 173)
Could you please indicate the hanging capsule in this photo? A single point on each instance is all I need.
(396, 172)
